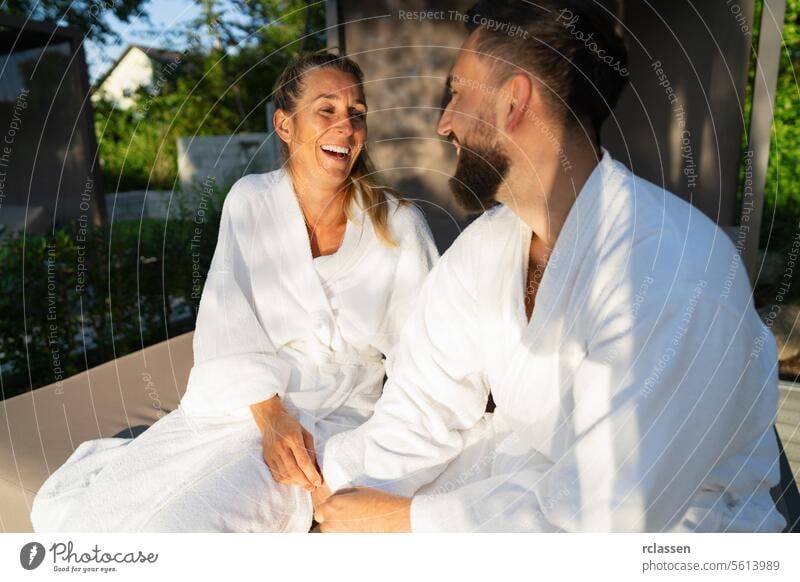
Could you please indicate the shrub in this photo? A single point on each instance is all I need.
(76, 298)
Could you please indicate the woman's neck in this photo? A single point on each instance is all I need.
(321, 207)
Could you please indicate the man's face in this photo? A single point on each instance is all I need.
(468, 121)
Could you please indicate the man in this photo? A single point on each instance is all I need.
(635, 385)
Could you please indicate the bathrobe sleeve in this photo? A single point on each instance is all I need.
(435, 390)
(658, 400)
(417, 255)
(235, 364)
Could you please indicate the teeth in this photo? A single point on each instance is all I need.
(336, 149)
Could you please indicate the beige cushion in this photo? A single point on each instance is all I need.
(40, 430)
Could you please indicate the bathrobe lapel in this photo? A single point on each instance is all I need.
(330, 372)
(295, 258)
(537, 361)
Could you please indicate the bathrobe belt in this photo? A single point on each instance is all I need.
(324, 387)
(331, 369)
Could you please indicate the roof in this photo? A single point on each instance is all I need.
(159, 55)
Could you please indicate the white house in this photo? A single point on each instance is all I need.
(138, 66)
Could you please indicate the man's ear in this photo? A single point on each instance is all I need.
(518, 92)
(283, 125)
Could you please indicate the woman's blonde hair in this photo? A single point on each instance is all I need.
(289, 90)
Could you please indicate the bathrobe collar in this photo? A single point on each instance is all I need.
(296, 258)
(577, 238)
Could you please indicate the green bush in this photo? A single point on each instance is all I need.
(77, 298)
(71, 300)
(782, 192)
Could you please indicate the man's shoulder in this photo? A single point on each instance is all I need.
(642, 218)
(653, 207)
(476, 251)
(485, 230)
(657, 240)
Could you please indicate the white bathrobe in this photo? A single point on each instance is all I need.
(641, 396)
(272, 321)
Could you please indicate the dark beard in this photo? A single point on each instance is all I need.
(482, 168)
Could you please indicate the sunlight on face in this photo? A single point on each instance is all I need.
(467, 122)
(470, 88)
(329, 128)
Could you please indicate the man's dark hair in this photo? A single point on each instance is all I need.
(574, 48)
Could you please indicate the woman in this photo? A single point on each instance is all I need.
(315, 269)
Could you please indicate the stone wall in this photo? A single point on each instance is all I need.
(687, 140)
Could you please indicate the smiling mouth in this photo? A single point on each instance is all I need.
(339, 153)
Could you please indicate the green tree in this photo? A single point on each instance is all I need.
(222, 85)
(93, 17)
(782, 193)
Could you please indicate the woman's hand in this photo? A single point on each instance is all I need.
(320, 495)
(288, 448)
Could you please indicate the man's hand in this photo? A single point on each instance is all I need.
(364, 510)
(288, 448)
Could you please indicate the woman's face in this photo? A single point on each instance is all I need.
(327, 132)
